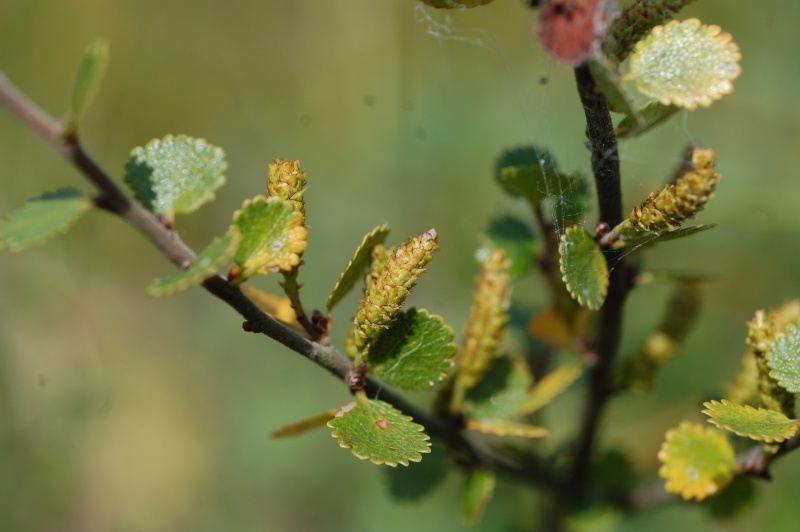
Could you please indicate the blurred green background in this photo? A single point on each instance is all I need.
(119, 412)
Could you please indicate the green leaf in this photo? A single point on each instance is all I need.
(550, 386)
(531, 172)
(525, 156)
(651, 238)
(610, 84)
(476, 494)
(415, 352)
(414, 483)
(376, 431)
(697, 462)
(595, 519)
(529, 155)
(525, 181)
(357, 265)
(175, 174)
(762, 425)
(42, 218)
(685, 64)
(568, 195)
(515, 238)
(737, 498)
(273, 237)
(87, 82)
(613, 475)
(208, 263)
(501, 391)
(784, 360)
(645, 119)
(506, 428)
(584, 268)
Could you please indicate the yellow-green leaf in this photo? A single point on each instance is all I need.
(208, 263)
(584, 268)
(304, 425)
(376, 431)
(87, 82)
(550, 386)
(273, 237)
(637, 238)
(685, 64)
(504, 427)
(42, 218)
(697, 462)
(355, 268)
(476, 494)
(757, 424)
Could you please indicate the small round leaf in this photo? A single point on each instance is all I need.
(697, 462)
(415, 352)
(376, 431)
(685, 64)
(273, 237)
(757, 424)
(584, 268)
(784, 360)
(175, 174)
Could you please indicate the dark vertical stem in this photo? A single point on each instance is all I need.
(605, 167)
(603, 145)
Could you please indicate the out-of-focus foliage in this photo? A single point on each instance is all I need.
(120, 412)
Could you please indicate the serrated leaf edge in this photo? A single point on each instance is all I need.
(710, 411)
(451, 344)
(419, 428)
(572, 290)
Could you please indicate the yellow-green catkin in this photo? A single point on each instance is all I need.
(379, 256)
(389, 289)
(636, 21)
(761, 335)
(745, 390)
(485, 325)
(681, 199)
(286, 181)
